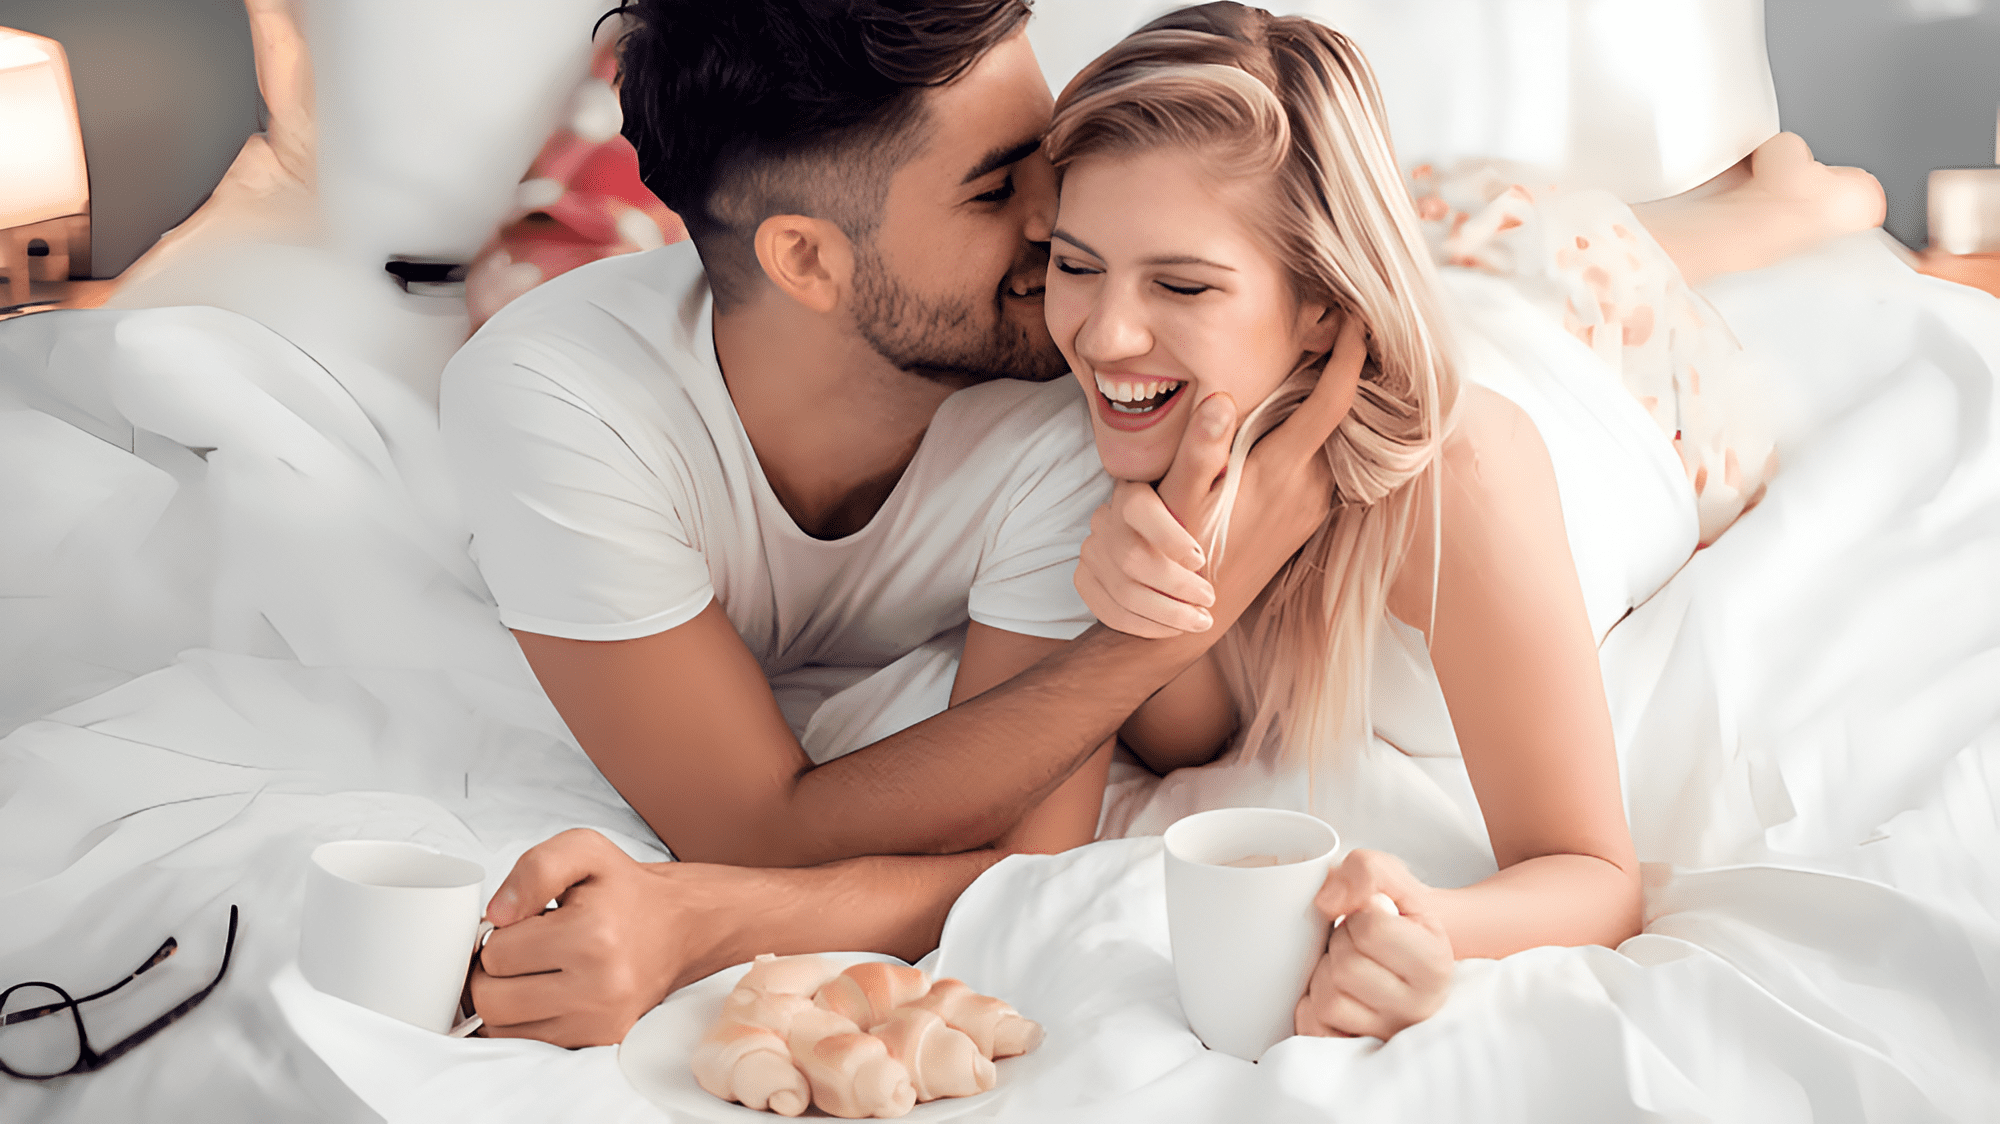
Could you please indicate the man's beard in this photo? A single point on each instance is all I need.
(942, 340)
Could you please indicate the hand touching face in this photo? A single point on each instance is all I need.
(1142, 570)
(1160, 294)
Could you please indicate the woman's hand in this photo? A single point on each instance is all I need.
(625, 934)
(1386, 965)
(1142, 571)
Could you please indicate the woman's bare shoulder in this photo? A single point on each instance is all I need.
(1493, 448)
(1497, 495)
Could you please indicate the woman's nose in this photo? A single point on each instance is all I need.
(1115, 329)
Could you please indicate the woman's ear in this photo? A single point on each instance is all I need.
(809, 260)
(1319, 326)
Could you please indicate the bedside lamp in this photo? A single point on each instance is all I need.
(44, 187)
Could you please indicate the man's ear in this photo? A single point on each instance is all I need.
(809, 260)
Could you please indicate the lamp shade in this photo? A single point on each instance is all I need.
(42, 172)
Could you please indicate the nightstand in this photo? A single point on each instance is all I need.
(1964, 209)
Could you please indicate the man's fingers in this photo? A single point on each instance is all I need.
(547, 871)
(571, 1031)
(1162, 610)
(1141, 509)
(511, 1003)
(1300, 435)
(1125, 582)
(1135, 563)
(1202, 456)
(534, 944)
(541, 1030)
(1113, 615)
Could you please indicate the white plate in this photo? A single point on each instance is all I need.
(656, 1056)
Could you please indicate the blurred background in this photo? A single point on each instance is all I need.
(166, 92)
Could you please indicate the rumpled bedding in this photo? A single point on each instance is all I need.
(232, 626)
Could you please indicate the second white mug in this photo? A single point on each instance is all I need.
(1240, 887)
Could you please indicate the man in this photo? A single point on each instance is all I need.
(740, 510)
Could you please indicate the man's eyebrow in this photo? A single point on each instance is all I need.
(1001, 157)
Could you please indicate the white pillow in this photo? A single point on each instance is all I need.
(1644, 98)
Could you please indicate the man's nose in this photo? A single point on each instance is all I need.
(1115, 329)
(1035, 184)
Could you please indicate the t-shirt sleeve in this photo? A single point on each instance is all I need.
(1027, 575)
(575, 533)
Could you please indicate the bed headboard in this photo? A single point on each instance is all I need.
(1644, 98)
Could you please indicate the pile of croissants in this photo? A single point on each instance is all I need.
(872, 1040)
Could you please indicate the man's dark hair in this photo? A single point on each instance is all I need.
(744, 109)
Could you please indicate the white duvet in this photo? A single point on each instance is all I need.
(233, 625)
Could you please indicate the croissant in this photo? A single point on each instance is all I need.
(742, 1061)
(851, 1073)
(942, 1062)
(814, 1023)
(866, 993)
(997, 1029)
(788, 975)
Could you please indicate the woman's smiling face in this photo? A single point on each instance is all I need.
(1159, 295)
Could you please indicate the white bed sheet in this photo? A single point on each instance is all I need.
(1807, 717)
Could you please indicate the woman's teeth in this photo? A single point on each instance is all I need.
(1136, 397)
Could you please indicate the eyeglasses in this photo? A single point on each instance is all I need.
(36, 1050)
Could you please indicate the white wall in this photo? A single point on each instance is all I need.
(167, 93)
(1896, 86)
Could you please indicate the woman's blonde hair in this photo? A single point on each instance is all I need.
(1289, 105)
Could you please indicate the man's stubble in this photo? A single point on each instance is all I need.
(947, 340)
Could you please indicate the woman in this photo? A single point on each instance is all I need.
(1232, 221)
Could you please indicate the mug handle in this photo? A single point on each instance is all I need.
(472, 1022)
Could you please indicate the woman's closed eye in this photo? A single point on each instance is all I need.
(1076, 269)
(1186, 289)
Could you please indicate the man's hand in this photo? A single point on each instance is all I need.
(1142, 569)
(624, 934)
(1386, 967)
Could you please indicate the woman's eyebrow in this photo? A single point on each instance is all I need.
(1074, 241)
(1164, 259)
(1001, 157)
(1187, 259)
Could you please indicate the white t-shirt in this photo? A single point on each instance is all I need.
(612, 491)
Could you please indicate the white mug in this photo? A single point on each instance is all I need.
(392, 927)
(1240, 887)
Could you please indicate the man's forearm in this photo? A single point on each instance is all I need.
(892, 904)
(961, 779)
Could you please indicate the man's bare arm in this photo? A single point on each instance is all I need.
(684, 725)
(627, 933)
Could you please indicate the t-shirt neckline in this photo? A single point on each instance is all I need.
(705, 345)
